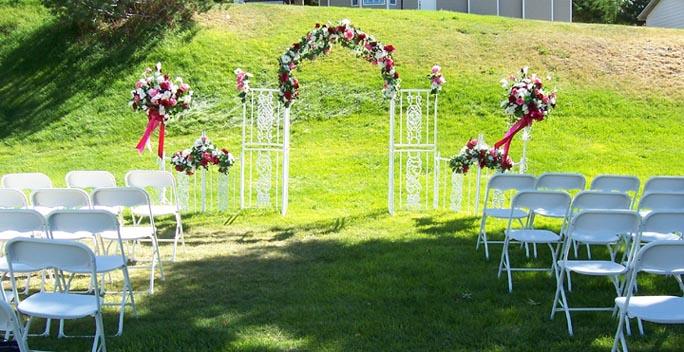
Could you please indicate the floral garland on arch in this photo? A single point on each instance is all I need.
(320, 40)
(160, 98)
(474, 152)
(526, 102)
(202, 154)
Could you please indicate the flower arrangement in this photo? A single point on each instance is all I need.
(202, 154)
(320, 40)
(526, 98)
(160, 98)
(436, 79)
(242, 83)
(473, 152)
(526, 102)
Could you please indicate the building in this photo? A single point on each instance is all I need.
(663, 13)
(550, 10)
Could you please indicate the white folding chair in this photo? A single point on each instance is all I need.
(12, 199)
(502, 183)
(654, 201)
(617, 183)
(90, 180)
(592, 227)
(29, 181)
(659, 257)
(531, 201)
(67, 256)
(161, 181)
(49, 199)
(9, 322)
(96, 222)
(597, 200)
(16, 223)
(132, 197)
(555, 181)
(664, 184)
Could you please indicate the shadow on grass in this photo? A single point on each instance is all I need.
(53, 70)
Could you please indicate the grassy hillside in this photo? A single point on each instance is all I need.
(338, 273)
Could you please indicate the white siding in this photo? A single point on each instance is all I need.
(668, 13)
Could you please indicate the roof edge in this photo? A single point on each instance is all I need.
(647, 10)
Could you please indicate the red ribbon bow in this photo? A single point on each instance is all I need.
(508, 137)
(155, 119)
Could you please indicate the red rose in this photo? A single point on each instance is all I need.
(471, 144)
(389, 48)
(284, 77)
(331, 30)
(296, 46)
(340, 29)
(361, 36)
(288, 95)
(179, 168)
(165, 85)
(295, 84)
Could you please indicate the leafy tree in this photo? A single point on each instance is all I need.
(608, 11)
(630, 9)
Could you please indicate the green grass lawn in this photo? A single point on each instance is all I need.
(338, 273)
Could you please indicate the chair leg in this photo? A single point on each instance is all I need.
(679, 281)
(99, 340)
(620, 335)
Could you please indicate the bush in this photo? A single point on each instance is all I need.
(108, 14)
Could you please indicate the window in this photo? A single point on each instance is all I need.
(373, 2)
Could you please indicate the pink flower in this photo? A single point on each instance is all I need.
(184, 87)
(139, 84)
(165, 85)
(173, 102)
(442, 80)
(348, 34)
(520, 101)
(471, 143)
(152, 92)
(436, 69)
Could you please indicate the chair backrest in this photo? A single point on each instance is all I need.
(9, 321)
(12, 198)
(597, 200)
(561, 182)
(60, 197)
(664, 184)
(661, 257)
(90, 179)
(615, 183)
(664, 222)
(662, 201)
(542, 200)
(600, 226)
(22, 221)
(37, 253)
(120, 197)
(150, 178)
(26, 181)
(505, 182)
(92, 221)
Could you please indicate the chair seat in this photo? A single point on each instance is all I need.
(657, 236)
(157, 210)
(593, 239)
(45, 211)
(505, 213)
(9, 234)
(551, 213)
(656, 309)
(63, 235)
(105, 264)
(130, 233)
(18, 268)
(534, 236)
(594, 267)
(58, 305)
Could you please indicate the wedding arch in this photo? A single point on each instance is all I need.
(264, 175)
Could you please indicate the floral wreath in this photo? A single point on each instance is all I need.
(319, 41)
(202, 154)
(472, 152)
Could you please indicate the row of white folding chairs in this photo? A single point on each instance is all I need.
(90, 180)
(605, 228)
(657, 195)
(35, 249)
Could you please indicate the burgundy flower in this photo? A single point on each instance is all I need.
(165, 85)
(318, 25)
(389, 48)
(296, 46)
(396, 75)
(295, 84)
(361, 36)
(284, 77)
(179, 168)
(288, 95)
(471, 143)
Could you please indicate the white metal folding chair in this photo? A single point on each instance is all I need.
(49, 199)
(29, 181)
(90, 180)
(9, 322)
(654, 201)
(67, 256)
(12, 199)
(558, 202)
(660, 257)
(16, 223)
(617, 183)
(501, 183)
(593, 227)
(132, 197)
(664, 184)
(598, 200)
(161, 181)
(96, 222)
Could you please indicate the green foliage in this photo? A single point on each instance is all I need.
(608, 11)
(90, 14)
